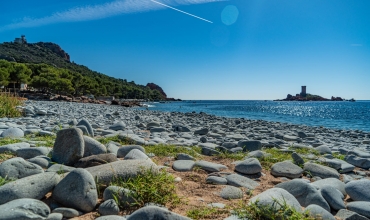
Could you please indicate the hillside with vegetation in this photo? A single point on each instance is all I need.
(47, 68)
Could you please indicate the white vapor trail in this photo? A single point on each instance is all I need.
(181, 11)
(100, 11)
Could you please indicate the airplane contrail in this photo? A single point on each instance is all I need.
(182, 11)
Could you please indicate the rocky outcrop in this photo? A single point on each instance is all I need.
(153, 86)
(56, 49)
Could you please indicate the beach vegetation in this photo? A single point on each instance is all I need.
(8, 104)
(206, 212)
(4, 180)
(163, 150)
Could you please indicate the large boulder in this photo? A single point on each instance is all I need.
(93, 147)
(12, 148)
(69, 146)
(241, 181)
(86, 123)
(249, 166)
(124, 150)
(358, 190)
(250, 145)
(33, 187)
(320, 170)
(362, 208)
(17, 168)
(286, 169)
(30, 152)
(333, 182)
(24, 209)
(358, 161)
(118, 126)
(319, 213)
(81, 195)
(333, 196)
(12, 133)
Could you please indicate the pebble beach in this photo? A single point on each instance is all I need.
(332, 183)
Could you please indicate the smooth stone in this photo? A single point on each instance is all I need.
(323, 149)
(68, 147)
(361, 207)
(250, 145)
(33, 187)
(17, 168)
(67, 212)
(152, 124)
(358, 190)
(23, 209)
(320, 170)
(60, 168)
(298, 160)
(333, 196)
(216, 180)
(359, 153)
(231, 192)
(290, 138)
(96, 160)
(270, 196)
(345, 214)
(81, 195)
(112, 148)
(118, 126)
(155, 212)
(124, 196)
(209, 151)
(42, 161)
(12, 148)
(182, 156)
(202, 131)
(157, 130)
(109, 207)
(248, 166)
(30, 152)
(55, 216)
(12, 133)
(208, 145)
(241, 181)
(358, 161)
(123, 169)
(318, 212)
(124, 150)
(286, 169)
(85, 123)
(136, 154)
(209, 166)
(256, 154)
(83, 129)
(93, 147)
(111, 217)
(305, 193)
(183, 165)
(336, 183)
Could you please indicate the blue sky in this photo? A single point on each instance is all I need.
(243, 49)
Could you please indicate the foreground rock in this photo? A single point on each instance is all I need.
(155, 212)
(286, 169)
(17, 168)
(68, 147)
(24, 209)
(320, 170)
(359, 190)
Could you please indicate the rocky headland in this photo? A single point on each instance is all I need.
(86, 161)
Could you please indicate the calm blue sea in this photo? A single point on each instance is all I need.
(339, 115)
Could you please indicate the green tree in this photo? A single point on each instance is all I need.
(20, 74)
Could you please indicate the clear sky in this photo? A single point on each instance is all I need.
(237, 49)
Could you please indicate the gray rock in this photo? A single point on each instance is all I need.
(182, 156)
(157, 129)
(93, 147)
(118, 126)
(24, 209)
(12, 133)
(67, 212)
(362, 208)
(111, 217)
(256, 154)
(323, 149)
(290, 138)
(60, 168)
(336, 183)
(216, 180)
(112, 148)
(81, 195)
(358, 190)
(55, 216)
(241, 181)
(249, 166)
(318, 212)
(298, 160)
(136, 154)
(96, 160)
(320, 170)
(30, 152)
(17, 168)
(305, 193)
(345, 214)
(209, 166)
(250, 145)
(68, 147)
(124, 150)
(333, 196)
(12, 148)
(202, 131)
(123, 169)
(359, 153)
(42, 161)
(109, 207)
(152, 124)
(231, 192)
(209, 151)
(85, 123)
(358, 161)
(286, 169)
(124, 196)
(301, 134)
(183, 165)
(270, 196)
(155, 212)
(83, 129)
(33, 187)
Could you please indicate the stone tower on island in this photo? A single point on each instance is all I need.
(303, 91)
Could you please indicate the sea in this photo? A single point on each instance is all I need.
(331, 114)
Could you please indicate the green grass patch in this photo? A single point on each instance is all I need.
(6, 156)
(118, 139)
(339, 156)
(233, 156)
(49, 140)
(206, 213)
(279, 210)
(4, 180)
(275, 156)
(163, 150)
(155, 187)
(6, 141)
(8, 102)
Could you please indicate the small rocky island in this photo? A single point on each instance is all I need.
(303, 96)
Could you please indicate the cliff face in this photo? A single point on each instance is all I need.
(56, 49)
(153, 86)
